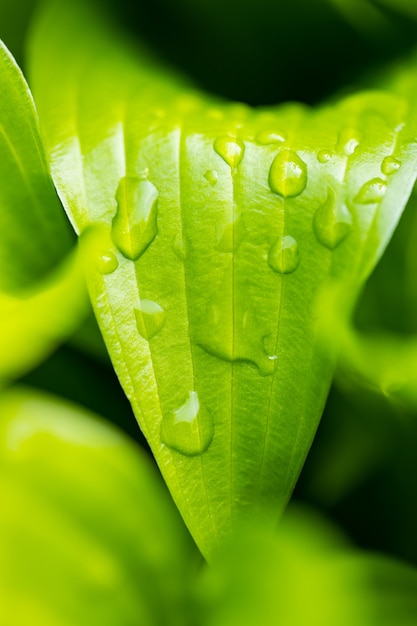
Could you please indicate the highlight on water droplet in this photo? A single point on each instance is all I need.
(230, 149)
(189, 429)
(348, 141)
(390, 165)
(332, 222)
(288, 174)
(106, 262)
(134, 226)
(372, 192)
(212, 177)
(324, 156)
(284, 256)
(150, 318)
(267, 137)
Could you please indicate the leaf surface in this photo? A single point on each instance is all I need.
(217, 228)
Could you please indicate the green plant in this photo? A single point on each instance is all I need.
(224, 248)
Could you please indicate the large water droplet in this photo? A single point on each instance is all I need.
(371, 192)
(150, 318)
(288, 174)
(390, 165)
(230, 149)
(332, 222)
(135, 223)
(107, 262)
(212, 177)
(230, 235)
(188, 429)
(284, 257)
(267, 137)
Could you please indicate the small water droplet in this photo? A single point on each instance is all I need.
(231, 235)
(371, 192)
(266, 137)
(150, 318)
(348, 141)
(288, 174)
(212, 177)
(324, 156)
(390, 165)
(188, 429)
(134, 226)
(107, 262)
(230, 149)
(179, 247)
(332, 222)
(284, 256)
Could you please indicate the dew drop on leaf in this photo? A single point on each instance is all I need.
(332, 222)
(212, 177)
(230, 149)
(371, 192)
(107, 262)
(348, 141)
(324, 156)
(150, 318)
(135, 223)
(189, 428)
(288, 174)
(390, 165)
(266, 137)
(284, 256)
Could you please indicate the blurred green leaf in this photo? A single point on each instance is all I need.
(88, 534)
(216, 229)
(302, 576)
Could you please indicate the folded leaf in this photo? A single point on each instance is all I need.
(217, 228)
(88, 534)
(34, 232)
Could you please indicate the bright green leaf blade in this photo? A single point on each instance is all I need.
(88, 533)
(220, 225)
(301, 577)
(34, 229)
(34, 321)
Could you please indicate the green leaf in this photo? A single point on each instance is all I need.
(304, 575)
(88, 533)
(34, 232)
(217, 228)
(34, 321)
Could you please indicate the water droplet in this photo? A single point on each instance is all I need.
(135, 223)
(288, 174)
(332, 222)
(284, 257)
(348, 141)
(324, 156)
(188, 429)
(231, 235)
(107, 262)
(267, 137)
(230, 149)
(390, 165)
(212, 177)
(179, 247)
(371, 192)
(150, 318)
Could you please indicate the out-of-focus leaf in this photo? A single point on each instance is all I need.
(34, 321)
(88, 534)
(217, 228)
(34, 232)
(301, 577)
